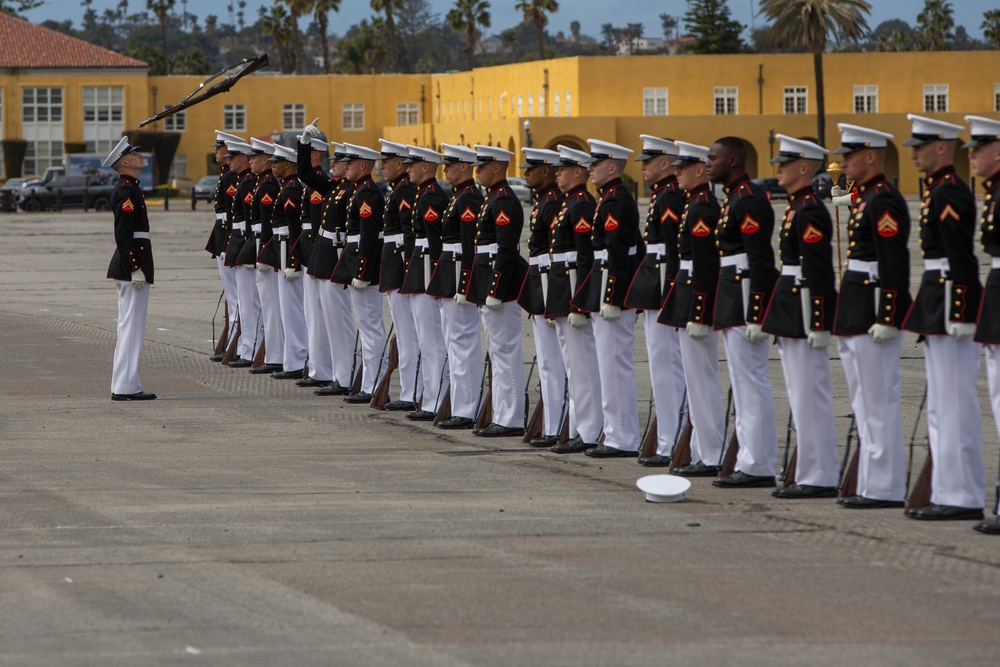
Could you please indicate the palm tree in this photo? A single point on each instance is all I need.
(807, 24)
(467, 17)
(161, 8)
(387, 7)
(276, 23)
(934, 26)
(535, 13)
(991, 27)
(296, 8)
(321, 9)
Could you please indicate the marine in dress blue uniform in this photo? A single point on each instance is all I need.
(225, 188)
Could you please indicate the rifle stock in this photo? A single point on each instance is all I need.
(444, 410)
(485, 416)
(849, 484)
(728, 466)
(920, 496)
(258, 359)
(649, 444)
(223, 343)
(381, 395)
(358, 377)
(535, 428)
(681, 456)
(233, 343)
(789, 475)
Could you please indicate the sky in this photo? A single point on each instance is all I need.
(590, 13)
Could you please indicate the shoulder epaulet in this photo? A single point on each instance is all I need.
(701, 198)
(882, 187)
(810, 201)
(745, 186)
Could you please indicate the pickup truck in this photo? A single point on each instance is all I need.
(68, 192)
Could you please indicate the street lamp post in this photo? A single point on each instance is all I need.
(527, 133)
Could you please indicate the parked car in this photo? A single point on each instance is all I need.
(771, 187)
(822, 184)
(521, 189)
(9, 193)
(204, 189)
(68, 192)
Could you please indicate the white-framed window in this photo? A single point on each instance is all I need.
(42, 128)
(936, 97)
(531, 104)
(865, 99)
(655, 102)
(555, 104)
(175, 123)
(293, 117)
(407, 113)
(465, 109)
(727, 100)
(451, 110)
(520, 105)
(234, 117)
(179, 167)
(796, 99)
(103, 117)
(489, 108)
(479, 109)
(353, 116)
(541, 103)
(996, 96)
(568, 108)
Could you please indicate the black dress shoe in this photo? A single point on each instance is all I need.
(796, 491)
(572, 446)
(498, 431)
(862, 503)
(311, 382)
(655, 461)
(989, 526)
(698, 469)
(945, 513)
(421, 416)
(401, 405)
(289, 375)
(265, 369)
(137, 396)
(741, 480)
(332, 389)
(360, 397)
(457, 423)
(602, 452)
(240, 363)
(544, 441)
(217, 357)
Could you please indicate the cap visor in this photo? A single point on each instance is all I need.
(914, 141)
(781, 159)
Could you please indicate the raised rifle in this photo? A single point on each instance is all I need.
(534, 426)
(485, 416)
(920, 496)
(381, 395)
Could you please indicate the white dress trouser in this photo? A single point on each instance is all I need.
(251, 322)
(616, 340)
(953, 423)
(807, 380)
(873, 378)
(993, 381)
(460, 325)
(704, 390)
(320, 362)
(274, 332)
(339, 324)
(228, 276)
(551, 373)
(367, 306)
(293, 322)
(433, 354)
(401, 310)
(756, 427)
(579, 353)
(132, 306)
(666, 374)
(503, 342)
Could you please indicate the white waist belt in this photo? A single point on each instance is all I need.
(541, 261)
(140, 235)
(220, 217)
(490, 249)
(739, 261)
(240, 226)
(421, 244)
(995, 263)
(354, 238)
(660, 249)
(794, 271)
(394, 238)
(686, 265)
(255, 228)
(633, 250)
(336, 237)
(871, 268)
(307, 227)
(600, 255)
(566, 257)
(937, 264)
(280, 231)
(453, 248)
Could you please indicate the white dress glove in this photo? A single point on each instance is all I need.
(577, 320)
(260, 266)
(755, 334)
(882, 333)
(961, 330)
(697, 330)
(551, 323)
(819, 339)
(836, 191)
(493, 303)
(842, 200)
(610, 313)
(138, 279)
(460, 299)
(309, 133)
(359, 284)
(291, 274)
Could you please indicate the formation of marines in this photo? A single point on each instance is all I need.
(306, 255)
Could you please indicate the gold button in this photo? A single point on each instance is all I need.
(888, 307)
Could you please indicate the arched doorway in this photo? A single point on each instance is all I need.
(569, 141)
(751, 157)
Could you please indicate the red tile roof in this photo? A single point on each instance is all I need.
(24, 45)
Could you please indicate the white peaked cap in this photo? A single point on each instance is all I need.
(925, 130)
(854, 138)
(790, 149)
(604, 150)
(121, 149)
(984, 131)
(222, 137)
(421, 154)
(260, 146)
(319, 145)
(391, 149)
(355, 152)
(663, 488)
(655, 147)
(690, 154)
(456, 153)
(485, 154)
(238, 148)
(539, 156)
(284, 153)
(570, 157)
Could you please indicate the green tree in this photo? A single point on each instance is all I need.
(714, 31)
(536, 14)
(610, 34)
(296, 8)
(388, 8)
(161, 8)
(935, 26)
(151, 56)
(15, 7)
(277, 24)
(808, 24)
(669, 25)
(991, 27)
(574, 29)
(363, 51)
(467, 17)
(321, 12)
(192, 61)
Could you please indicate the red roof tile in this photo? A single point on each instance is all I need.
(24, 45)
